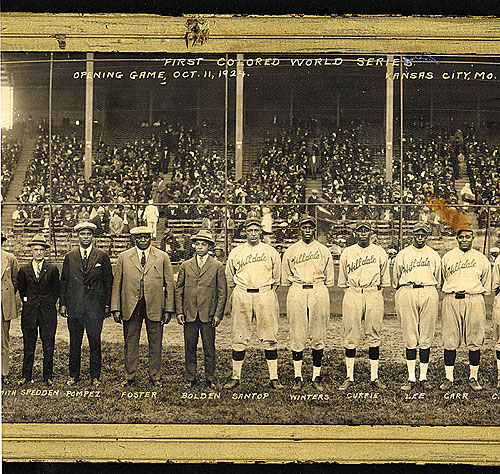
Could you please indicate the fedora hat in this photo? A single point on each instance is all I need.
(39, 239)
(204, 235)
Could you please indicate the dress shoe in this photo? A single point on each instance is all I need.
(275, 384)
(297, 383)
(474, 384)
(232, 383)
(26, 381)
(378, 384)
(408, 385)
(317, 383)
(347, 383)
(446, 385)
(73, 381)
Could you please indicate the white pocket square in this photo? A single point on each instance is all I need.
(97, 264)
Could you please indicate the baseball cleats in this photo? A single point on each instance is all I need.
(232, 383)
(275, 384)
(346, 384)
(317, 385)
(446, 385)
(426, 385)
(378, 384)
(297, 383)
(474, 384)
(408, 385)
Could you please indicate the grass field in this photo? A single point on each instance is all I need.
(252, 401)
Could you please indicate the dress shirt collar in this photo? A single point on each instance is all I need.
(88, 250)
(139, 252)
(201, 260)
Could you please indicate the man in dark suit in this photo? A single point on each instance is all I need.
(200, 298)
(39, 291)
(143, 289)
(86, 282)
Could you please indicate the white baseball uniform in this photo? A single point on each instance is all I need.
(464, 315)
(495, 315)
(363, 271)
(308, 270)
(416, 274)
(251, 271)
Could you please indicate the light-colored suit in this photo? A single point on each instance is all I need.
(158, 298)
(10, 271)
(158, 284)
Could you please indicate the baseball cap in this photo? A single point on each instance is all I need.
(366, 224)
(307, 218)
(464, 228)
(252, 220)
(422, 226)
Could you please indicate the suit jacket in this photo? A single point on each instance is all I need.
(10, 271)
(86, 292)
(158, 284)
(201, 292)
(39, 296)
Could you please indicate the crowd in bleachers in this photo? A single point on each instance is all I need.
(485, 187)
(11, 149)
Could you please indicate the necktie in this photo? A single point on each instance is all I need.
(38, 267)
(85, 259)
(143, 259)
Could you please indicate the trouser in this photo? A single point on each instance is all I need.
(132, 334)
(5, 346)
(191, 332)
(47, 335)
(93, 327)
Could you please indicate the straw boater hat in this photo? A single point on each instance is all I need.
(141, 230)
(85, 225)
(38, 239)
(203, 235)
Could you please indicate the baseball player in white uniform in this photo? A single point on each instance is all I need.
(363, 271)
(416, 276)
(307, 268)
(495, 285)
(466, 278)
(253, 273)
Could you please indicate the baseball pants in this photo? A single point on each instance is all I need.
(495, 316)
(417, 309)
(358, 305)
(463, 321)
(308, 311)
(264, 305)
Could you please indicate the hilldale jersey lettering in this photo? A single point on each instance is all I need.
(421, 262)
(352, 267)
(305, 257)
(451, 269)
(239, 264)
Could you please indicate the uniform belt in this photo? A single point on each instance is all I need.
(459, 295)
(252, 290)
(307, 287)
(363, 290)
(418, 286)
